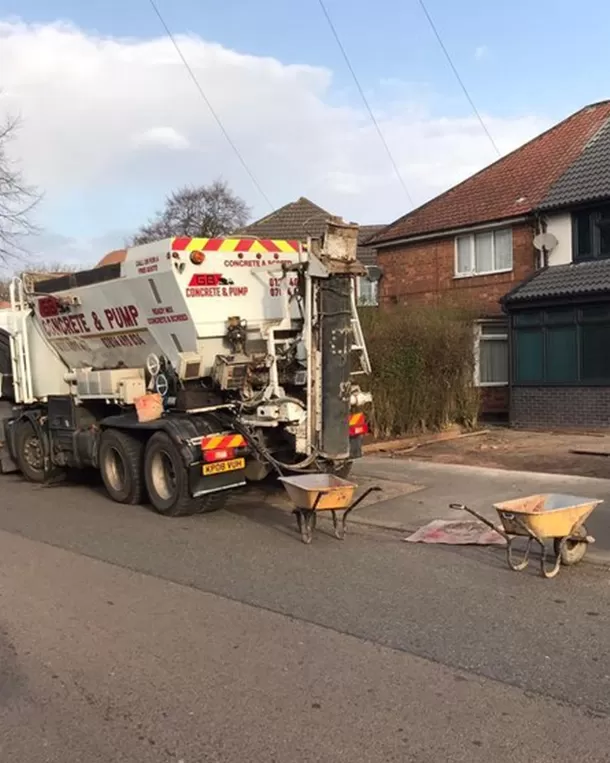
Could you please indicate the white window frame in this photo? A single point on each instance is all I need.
(472, 237)
(374, 289)
(501, 336)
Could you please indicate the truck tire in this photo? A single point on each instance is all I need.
(29, 452)
(121, 457)
(166, 481)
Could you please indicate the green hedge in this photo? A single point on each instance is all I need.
(423, 364)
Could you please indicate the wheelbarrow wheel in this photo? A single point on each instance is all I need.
(572, 551)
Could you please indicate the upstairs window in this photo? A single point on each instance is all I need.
(591, 232)
(479, 254)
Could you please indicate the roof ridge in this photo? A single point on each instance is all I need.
(281, 209)
(311, 203)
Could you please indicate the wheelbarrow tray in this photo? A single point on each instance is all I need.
(546, 515)
(319, 492)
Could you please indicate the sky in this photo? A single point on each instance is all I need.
(111, 122)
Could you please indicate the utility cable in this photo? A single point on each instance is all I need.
(207, 102)
(457, 75)
(365, 101)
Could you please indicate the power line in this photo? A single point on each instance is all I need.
(197, 84)
(366, 103)
(457, 76)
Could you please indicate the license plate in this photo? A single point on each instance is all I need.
(224, 466)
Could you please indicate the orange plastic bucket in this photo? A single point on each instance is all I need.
(149, 407)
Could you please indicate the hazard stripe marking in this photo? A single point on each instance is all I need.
(215, 442)
(234, 245)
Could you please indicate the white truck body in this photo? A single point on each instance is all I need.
(252, 326)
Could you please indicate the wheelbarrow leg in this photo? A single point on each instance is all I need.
(306, 523)
(337, 532)
(514, 565)
(548, 572)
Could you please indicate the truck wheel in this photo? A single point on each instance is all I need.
(121, 466)
(167, 479)
(29, 452)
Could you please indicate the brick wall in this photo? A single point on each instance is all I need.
(494, 400)
(560, 407)
(424, 272)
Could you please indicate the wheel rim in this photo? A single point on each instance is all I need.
(114, 469)
(32, 453)
(163, 475)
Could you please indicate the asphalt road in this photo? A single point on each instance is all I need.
(125, 636)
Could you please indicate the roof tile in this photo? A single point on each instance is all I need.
(297, 220)
(588, 178)
(512, 186)
(575, 279)
(301, 219)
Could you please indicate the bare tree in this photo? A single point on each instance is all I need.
(17, 199)
(207, 211)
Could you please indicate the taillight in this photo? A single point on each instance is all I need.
(218, 454)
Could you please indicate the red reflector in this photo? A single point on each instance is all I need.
(218, 454)
(359, 430)
(197, 258)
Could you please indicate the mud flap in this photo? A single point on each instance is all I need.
(201, 485)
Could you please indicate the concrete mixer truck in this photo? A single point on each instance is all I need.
(250, 349)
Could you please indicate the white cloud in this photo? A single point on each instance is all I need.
(482, 51)
(120, 119)
(165, 137)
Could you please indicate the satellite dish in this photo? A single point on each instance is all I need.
(374, 273)
(546, 241)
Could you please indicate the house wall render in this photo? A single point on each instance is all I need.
(561, 227)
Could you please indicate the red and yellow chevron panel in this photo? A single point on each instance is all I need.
(356, 419)
(221, 441)
(227, 245)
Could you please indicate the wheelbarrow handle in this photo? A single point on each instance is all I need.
(368, 491)
(480, 517)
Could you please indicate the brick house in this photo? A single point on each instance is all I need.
(302, 219)
(474, 243)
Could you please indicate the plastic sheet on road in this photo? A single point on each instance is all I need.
(458, 532)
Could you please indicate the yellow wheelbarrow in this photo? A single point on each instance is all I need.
(311, 493)
(540, 518)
